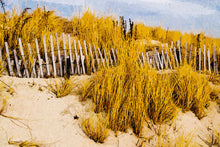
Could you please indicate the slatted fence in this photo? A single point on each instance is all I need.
(84, 60)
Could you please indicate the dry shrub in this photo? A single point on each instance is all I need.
(182, 140)
(192, 90)
(130, 95)
(214, 95)
(62, 87)
(95, 128)
(161, 106)
(214, 78)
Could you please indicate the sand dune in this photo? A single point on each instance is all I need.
(49, 121)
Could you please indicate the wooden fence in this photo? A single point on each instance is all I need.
(174, 57)
(87, 59)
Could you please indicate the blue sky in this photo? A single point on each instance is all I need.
(183, 15)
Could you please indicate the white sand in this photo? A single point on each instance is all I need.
(49, 121)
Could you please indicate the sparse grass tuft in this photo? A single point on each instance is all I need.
(26, 143)
(63, 87)
(95, 128)
(212, 139)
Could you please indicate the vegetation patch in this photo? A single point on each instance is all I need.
(62, 87)
(95, 128)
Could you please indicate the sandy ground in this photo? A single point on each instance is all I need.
(49, 121)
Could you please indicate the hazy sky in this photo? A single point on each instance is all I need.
(184, 15)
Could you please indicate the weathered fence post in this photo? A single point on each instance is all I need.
(33, 72)
(96, 56)
(199, 59)
(148, 59)
(46, 57)
(1, 54)
(53, 58)
(154, 64)
(92, 59)
(110, 58)
(172, 55)
(77, 57)
(204, 58)
(142, 54)
(71, 57)
(180, 58)
(106, 57)
(195, 57)
(139, 59)
(39, 59)
(215, 61)
(168, 60)
(209, 61)
(86, 51)
(175, 56)
(163, 59)
(160, 60)
(185, 60)
(64, 50)
(82, 58)
(190, 54)
(114, 57)
(23, 58)
(59, 57)
(101, 57)
(156, 58)
(16, 63)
